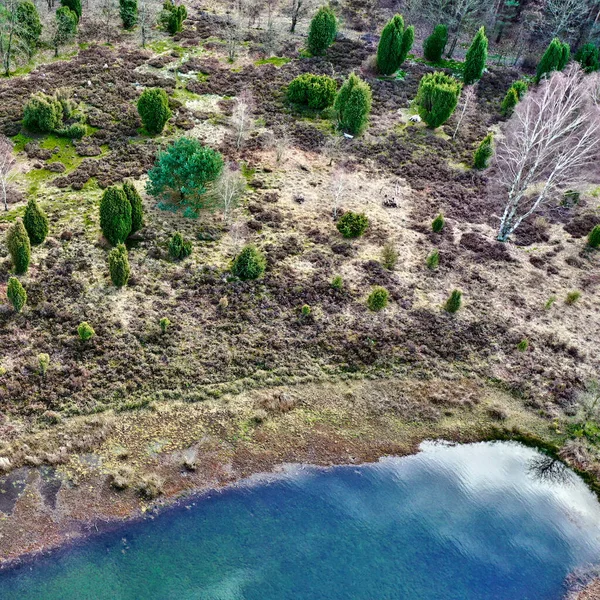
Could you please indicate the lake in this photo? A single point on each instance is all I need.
(493, 521)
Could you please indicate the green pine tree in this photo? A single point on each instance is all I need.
(454, 302)
(594, 237)
(137, 208)
(19, 246)
(115, 215)
(16, 294)
(118, 265)
(322, 32)
(36, 222)
(353, 105)
(554, 58)
(485, 150)
(390, 46)
(434, 45)
(510, 101)
(407, 42)
(476, 58)
(437, 98)
(588, 56)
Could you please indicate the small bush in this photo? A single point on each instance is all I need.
(594, 237)
(19, 246)
(322, 32)
(179, 248)
(153, 108)
(85, 331)
(35, 222)
(164, 324)
(44, 363)
(378, 299)
(337, 283)
(353, 105)
(572, 297)
(433, 260)
(549, 302)
(484, 152)
(74, 132)
(523, 345)
(16, 294)
(150, 487)
(137, 208)
(249, 264)
(454, 302)
(520, 87)
(121, 479)
(438, 223)
(315, 91)
(588, 56)
(118, 264)
(305, 311)
(476, 58)
(389, 256)
(128, 10)
(115, 215)
(352, 225)
(434, 45)
(510, 101)
(172, 17)
(437, 98)
(42, 113)
(73, 5)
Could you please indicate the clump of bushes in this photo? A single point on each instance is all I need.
(484, 152)
(179, 247)
(434, 45)
(454, 302)
(118, 265)
(389, 256)
(153, 108)
(394, 45)
(36, 222)
(172, 17)
(594, 237)
(438, 223)
(588, 56)
(16, 294)
(378, 299)
(322, 32)
(19, 246)
(85, 331)
(476, 58)
(115, 215)
(555, 58)
(437, 98)
(46, 114)
(315, 91)
(353, 105)
(150, 487)
(352, 225)
(249, 263)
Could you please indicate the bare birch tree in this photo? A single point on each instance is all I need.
(7, 165)
(467, 97)
(228, 190)
(242, 117)
(339, 187)
(549, 143)
(565, 16)
(298, 10)
(148, 11)
(233, 35)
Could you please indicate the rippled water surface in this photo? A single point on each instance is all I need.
(493, 521)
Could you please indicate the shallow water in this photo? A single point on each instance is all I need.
(489, 521)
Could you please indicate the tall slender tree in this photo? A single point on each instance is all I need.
(476, 58)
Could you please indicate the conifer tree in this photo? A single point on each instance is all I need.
(454, 302)
(407, 42)
(137, 209)
(118, 265)
(437, 98)
(322, 32)
(555, 58)
(594, 237)
(74, 5)
(19, 246)
(115, 215)
(390, 46)
(588, 56)
(16, 294)
(433, 46)
(476, 58)
(353, 105)
(510, 101)
(481, 158)
(36, 222)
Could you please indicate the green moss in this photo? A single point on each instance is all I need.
(20, 141)
(278, 61)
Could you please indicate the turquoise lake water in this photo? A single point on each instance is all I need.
(489, 521)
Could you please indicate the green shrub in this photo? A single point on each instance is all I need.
(137, 208)
(437, 98)
(182, 171)
(305, 310)
(164, 324)
(520, 87)
(378, 299)
(115, 215)
(42, 113)
(322, 32)
(172, 17)
(179, 248)
(337, 283)
(434, 45)
(249, 263)
(588, 56)
(433, 260)
(118, 265)
(36, 222)
(30, 26)
(394, 45)
(85, 331)
(484, 152)
(454, 302)
(315, 91)
(438, 223)
(389, 256)
(476, 58)
(594, 237)
(549, 303)
(19, 246)
(153, 108)
(65, 27)
(510, 101)
(572, 297)
(353, 105)
(74, 132)
(73, 5)
(555, 58)
(44, 364)
(523, 345)
(128, 10)
(16, 294)
(352, 225)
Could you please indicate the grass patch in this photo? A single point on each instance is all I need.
(66, 153)
(20, 141)
(278, 61)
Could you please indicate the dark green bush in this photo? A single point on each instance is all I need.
(434, 45)
(484, 152)
(322, 32)
(128, 10)
(172, 17)
(85, 331)
(510, 101)
(137, 208)
(19, 246)
(523, 345)
(520, 87)
(315, 91)
(337, 283)
(115, 215)
(378, 299)
(555, 58)
(153, 108)
(16, 294)
(249, 263)
(74, 5)
(118, 265)
(179, 248)
(438, 223)
(433, 260)
(588, 56)
(476, 58)
(394, 45)
(305, 310)
(74, 132)
(353, 105)
(352, 225)
(36, 222)
(30, 26)
(42, 113)
(454, 302)
(594, 237)
(437, 98)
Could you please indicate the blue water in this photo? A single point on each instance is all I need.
(486, 521)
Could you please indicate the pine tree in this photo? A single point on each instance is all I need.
(438, 223)
(510, 101)
(555, 58)
(433, 46)
(353, 105)
(588, 56)
(128, 9)
(36, 222)
(16, 293)
(454, 302)
(390, 46)
(137, 208)
(74, 5)
(249, 263)
(322, 32)
(484, 152)
(19, 246)
(407, 42)
(118, 265)
(437, 98)
(153, 108)
(594, 237)
(476, 58)
(115, 215)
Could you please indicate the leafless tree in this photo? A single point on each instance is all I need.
(271, 34)
(467, 97)
(589, 404)
(233, 35)
(282, 145)
(109, 19)
(148, 11)
(7, 165)
(228, 189)
(339, 187)
(565, 16)
(333, 147)
(299, 9)
(551, 140)
(242, 117)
